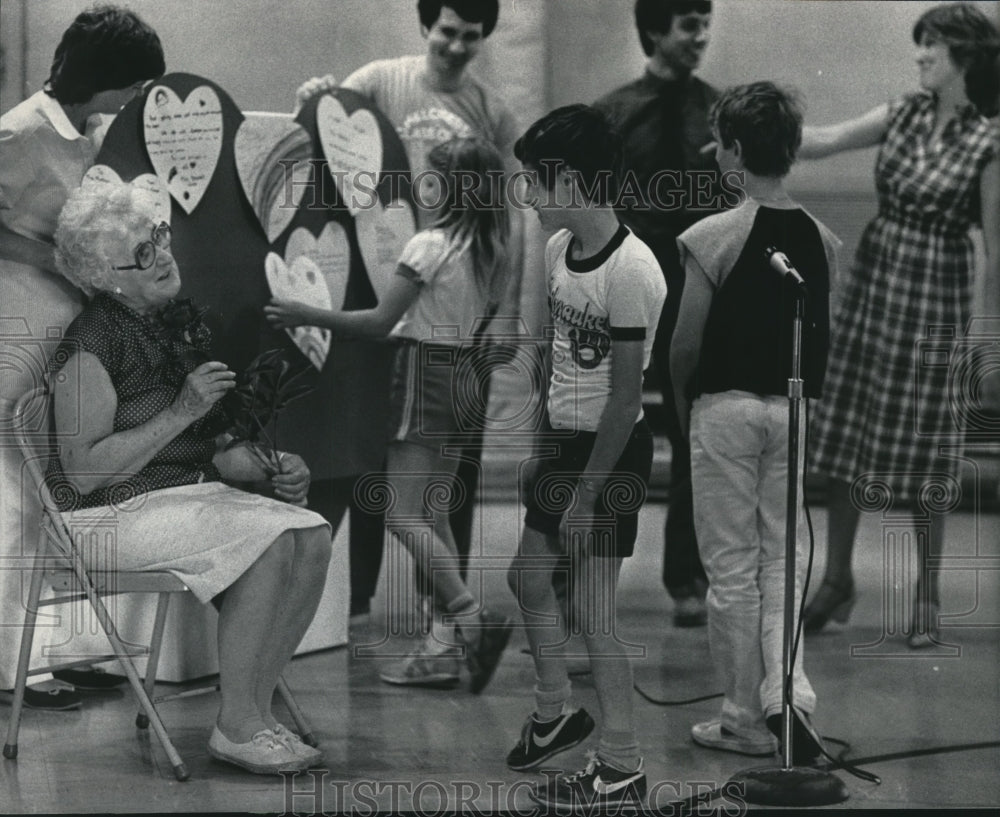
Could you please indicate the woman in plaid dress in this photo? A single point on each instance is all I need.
(886, 409)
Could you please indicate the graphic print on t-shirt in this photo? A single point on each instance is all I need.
(614, 295)
(588, 334)
(425, 128)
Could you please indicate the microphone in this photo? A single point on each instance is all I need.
(781, 265)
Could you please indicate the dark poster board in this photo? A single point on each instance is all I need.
(220, 247)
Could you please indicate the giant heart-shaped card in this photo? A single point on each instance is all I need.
(330, 252)
(273, 160)
(183, 140)
(302, 281)
(149, 184)
(382, 235)
(352, 147)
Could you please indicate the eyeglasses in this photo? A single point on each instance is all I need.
(145, 253)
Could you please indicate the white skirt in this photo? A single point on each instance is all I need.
(206, 534)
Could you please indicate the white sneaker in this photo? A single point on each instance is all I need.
(424, 668)
(712, 735)
(264, 753)
(297, 745)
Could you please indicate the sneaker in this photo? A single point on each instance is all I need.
(297, 745)
(89, 680)
(806, 744)
(570, 729)
(690, 611)
(53, 700)
(482, 658)
(424, 668)
(713, 735)
(264, 753)
(599, 786)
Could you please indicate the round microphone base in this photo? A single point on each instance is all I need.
(797, 786)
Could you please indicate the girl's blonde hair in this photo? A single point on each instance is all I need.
(473, 210)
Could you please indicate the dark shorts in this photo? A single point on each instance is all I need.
(438, 393)
(548, 493)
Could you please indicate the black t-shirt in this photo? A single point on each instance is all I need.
(747, 340)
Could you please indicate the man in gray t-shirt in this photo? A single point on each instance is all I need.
(430, 99)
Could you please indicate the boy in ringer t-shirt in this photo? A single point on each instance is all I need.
(593, 461)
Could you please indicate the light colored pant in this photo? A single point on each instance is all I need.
(739, 468)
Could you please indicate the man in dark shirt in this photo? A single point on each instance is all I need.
(669, 183)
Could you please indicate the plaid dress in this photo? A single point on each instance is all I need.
(886, 409)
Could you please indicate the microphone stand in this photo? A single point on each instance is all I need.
(787, 785)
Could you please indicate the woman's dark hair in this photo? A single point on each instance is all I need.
(578, 137)
(658, 15)
(974, 45)
(767, 121)
(105, 48)
(472, 11)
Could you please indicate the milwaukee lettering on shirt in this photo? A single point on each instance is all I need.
(616, 294)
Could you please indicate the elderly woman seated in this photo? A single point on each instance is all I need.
(142, 399)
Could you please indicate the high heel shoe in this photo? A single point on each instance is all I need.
(924, 627)
(832, 601)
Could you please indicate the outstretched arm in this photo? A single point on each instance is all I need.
(358, 323)
(864, 131)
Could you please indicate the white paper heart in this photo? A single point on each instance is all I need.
(183, 140)
(273, 156)
(331, 252)
(302, 281)
(382, 235)
(352, 147)
(147, 182)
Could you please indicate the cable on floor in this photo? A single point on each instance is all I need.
(685, 702)
(689, 804)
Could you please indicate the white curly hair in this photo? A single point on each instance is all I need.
(94, 231)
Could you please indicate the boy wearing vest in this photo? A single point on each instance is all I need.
(731, 355)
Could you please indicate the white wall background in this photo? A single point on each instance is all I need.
(844, 56)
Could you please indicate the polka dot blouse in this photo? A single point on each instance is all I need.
(147, 361)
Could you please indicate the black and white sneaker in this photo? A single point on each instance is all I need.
(599, 786)
(540, 741)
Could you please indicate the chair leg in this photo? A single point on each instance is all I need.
(301, 724)
(24, 655)
(159, 623)
(180, 769)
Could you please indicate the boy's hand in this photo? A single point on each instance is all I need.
(285, 314)
(581, 512)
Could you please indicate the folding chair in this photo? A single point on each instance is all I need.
(59, 562)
